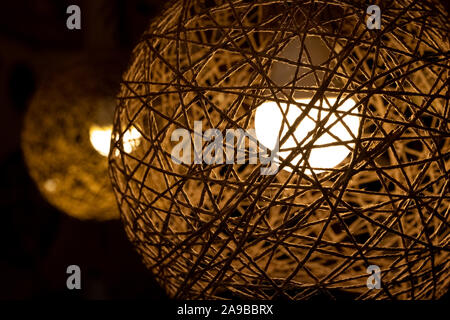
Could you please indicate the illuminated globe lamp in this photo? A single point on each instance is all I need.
(66, 137)
(355, 122)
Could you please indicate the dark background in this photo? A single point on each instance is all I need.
(37, 242)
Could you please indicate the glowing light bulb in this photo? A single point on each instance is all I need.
(131, 139)
(328, 150)
(100, 139)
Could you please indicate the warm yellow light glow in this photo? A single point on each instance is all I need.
(50, 185)
(131, 139)
(269, 119)
(101, 139)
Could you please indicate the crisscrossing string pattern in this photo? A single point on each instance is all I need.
(225, 230)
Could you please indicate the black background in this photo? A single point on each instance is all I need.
(37, 242)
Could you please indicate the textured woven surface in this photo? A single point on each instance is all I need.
(209, 231)
(56, 144)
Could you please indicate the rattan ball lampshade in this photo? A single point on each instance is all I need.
(65, 138)
(378, 196)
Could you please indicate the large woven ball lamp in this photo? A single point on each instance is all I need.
(66, 137)
(355, 123)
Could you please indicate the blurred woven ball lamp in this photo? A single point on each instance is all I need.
(67, 128)
(66, 137)
(360, 118)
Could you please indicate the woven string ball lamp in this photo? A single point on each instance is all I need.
(66, 137)
(355, 122)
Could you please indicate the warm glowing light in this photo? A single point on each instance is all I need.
(50, 185)
(101, 139)
(131, 139)
(328, 150)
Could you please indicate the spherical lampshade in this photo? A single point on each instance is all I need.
(354, 126)
(66, 138)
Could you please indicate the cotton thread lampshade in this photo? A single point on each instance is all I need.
(66, 137)
(225, 230)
